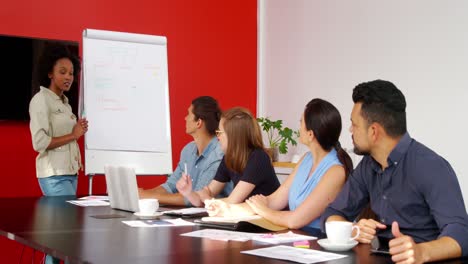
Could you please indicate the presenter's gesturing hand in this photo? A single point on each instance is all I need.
(184, 185)
(80, 128)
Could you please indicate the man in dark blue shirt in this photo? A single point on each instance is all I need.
(413, 191)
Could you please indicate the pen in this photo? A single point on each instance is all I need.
(185, 168)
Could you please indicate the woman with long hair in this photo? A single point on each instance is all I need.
(245, 162)
(315, 182)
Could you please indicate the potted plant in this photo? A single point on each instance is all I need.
(278, 136)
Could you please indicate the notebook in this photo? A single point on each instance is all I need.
(253, 223)
(122, 188)
(192, 212)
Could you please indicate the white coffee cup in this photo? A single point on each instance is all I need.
(148, 206)
(339, 232)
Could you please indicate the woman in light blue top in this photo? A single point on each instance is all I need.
(303, 184)
(314, 183)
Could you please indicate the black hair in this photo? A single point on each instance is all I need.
(324, 120)
(383, 103)
(207, 109)
(51, 54)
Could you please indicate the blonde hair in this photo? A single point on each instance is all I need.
(244, 135)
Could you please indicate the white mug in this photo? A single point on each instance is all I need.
(148, 206)
(339, 232)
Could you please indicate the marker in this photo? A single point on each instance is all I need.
(185, 166)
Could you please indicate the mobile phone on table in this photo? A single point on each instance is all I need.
(379, 245)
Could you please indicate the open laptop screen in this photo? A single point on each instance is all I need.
(122, 188)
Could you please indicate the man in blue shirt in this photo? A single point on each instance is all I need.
(413, 191)
(201, 157)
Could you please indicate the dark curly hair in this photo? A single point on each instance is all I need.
(51, 54)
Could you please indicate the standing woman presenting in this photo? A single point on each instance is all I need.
(54, 128)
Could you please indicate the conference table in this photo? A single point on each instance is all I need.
(71, 233)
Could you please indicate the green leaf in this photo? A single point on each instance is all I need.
(278, 124)
(283, 148)
(277, 135)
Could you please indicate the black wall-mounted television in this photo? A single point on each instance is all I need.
(19, 62)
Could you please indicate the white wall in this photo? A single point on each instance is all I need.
(325, 48)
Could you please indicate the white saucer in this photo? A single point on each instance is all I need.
(151, 216)
(325, 243)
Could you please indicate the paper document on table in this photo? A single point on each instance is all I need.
(158, 223)
(282, 238)
(95, 197)
(300, 255)
(85, 203)
(230, 219)
(222, 235)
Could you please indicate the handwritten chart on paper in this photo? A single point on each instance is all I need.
(126, 91)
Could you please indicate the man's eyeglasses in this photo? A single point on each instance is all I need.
(219, 132)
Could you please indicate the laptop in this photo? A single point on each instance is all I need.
(122, 188)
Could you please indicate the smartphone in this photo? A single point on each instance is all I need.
(379, 245)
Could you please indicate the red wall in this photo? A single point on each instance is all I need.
(212, 50)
